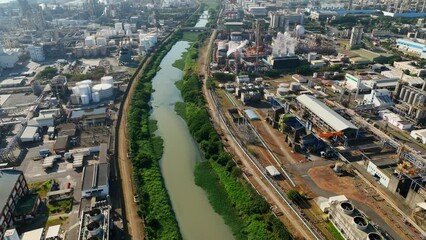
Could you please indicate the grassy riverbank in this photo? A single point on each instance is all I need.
(146, 150)
(242, 208)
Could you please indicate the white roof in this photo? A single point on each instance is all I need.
(328, 115)
(421, 205)
(53, 231)
(29, 132)
(272, 171)
(421, 132)
(338, 198)
(33, 235)
(88, 112)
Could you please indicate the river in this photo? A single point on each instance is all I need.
(196, 217)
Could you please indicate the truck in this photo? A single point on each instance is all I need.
(49, 161)
(44, 152)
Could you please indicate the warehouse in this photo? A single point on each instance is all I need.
(30, 134)
(419, 135)
(95, 180)
(61, 144)
(12, 82)
(323, 116)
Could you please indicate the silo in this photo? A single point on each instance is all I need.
(295, 87)
(105, 90)
(75, 99)
(85, 99)
(107, 80)
(84, 89)
(95, 97)
(411, 98)
(283, 85)
(401, 94)
(283, 91)
(406, 95)
(76, 90)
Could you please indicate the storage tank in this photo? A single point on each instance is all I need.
(107, 80)
(95, 97)
(104, 90)
(401, 94)
(95, 214)
(315, 75)
(283, 85)
(411, 98)
(374, 236)
(84, 90)
(295, 87)
(85, 99)
(283, 91)
(87, 82)
(76, 90)
(347, 207)
(360, 222)
(75, 99)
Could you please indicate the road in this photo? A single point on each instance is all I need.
(257, 178)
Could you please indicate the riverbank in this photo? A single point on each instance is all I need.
(243, 209)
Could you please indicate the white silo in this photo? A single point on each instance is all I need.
(76, 90)
(95, 97)
(107, 80)
(282, 91)
(75, 99)
(283, 85)
(84, 90)
(87, 82)
(105, 90)
(300, 31)
(85, 99)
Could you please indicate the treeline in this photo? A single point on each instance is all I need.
(146, 150)
(242, 208)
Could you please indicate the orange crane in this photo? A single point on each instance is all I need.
(329, 134)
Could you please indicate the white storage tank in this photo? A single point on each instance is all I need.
(107, 80)
(84, 89)
(282, 91)
(95, 97)
(76, 90)
(105, 90)
(75, 99)
(283, 85)
(87, 82)
(85, 99)
(315, 75)
(295, 87)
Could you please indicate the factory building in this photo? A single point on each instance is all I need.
(7, 60)
(419, 135)
(13, 188)
(95, 180)
(382, 170)
(411, 67)
(395, 120)
(325, 118)
(412, 102)
(350, 222)
(95, 221)
(416, 46)
(280, 20)
(380, 98)
(59, 85)
(36, 53)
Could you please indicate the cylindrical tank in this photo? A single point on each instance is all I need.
(374, 236)
(36, 88)
(401, 94)
(75, 99)
(76, 90)
(95, 97)
(87, 82)
(283, 85)
(105, 90)
(406, 95)
(94, 228)
(283, 91)
(315, 75)
(84, 89)
(411, 98)
(95, 214)
(107, 80)
(294, 86)
(85, 99)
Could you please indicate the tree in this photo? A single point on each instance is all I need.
(47, 73)
(294, 195)
(304, 70)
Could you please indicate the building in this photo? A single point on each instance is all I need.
(395, 120)
(410, 80)
(411, 67)
(380, 98)
(377, 33)
(242, 79)
(95, 221)
(419, 135)
(350, 222)
(13, 187)
(95, 180)
(322, 15)
(59, 85)
(7, 60)
(13, 82)
(61, 144)
(356, 37)
(325, 118)
(280, 20)
(365, 81)
(30, 134)
(53, 233)
(414, 46)
(257, 11)
(89, 116)
(36, 53)
(36, 234)
(411, 102)
(382, 170)
(11, 234)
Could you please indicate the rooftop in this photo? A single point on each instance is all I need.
(33, 235)
(8, 179)
(25, 204)
(95, 175)
(328, 115)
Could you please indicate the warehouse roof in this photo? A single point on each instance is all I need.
(328, 115)
(29, 132)
(61, 142)
(8, 179)
(95, 175)
(34, 234)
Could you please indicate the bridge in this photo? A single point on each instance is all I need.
(195, 29)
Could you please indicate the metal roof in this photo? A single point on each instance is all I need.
(33, 235)
(53, 231)
(251, 114)
(8, 179)
(328, 115)
(29, 132)
(95, 175)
